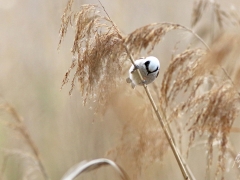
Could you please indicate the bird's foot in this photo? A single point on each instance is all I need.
(135, 68)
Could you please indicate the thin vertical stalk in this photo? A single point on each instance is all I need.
(160, 119)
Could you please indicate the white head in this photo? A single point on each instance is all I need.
(149, 68)
(152, 64)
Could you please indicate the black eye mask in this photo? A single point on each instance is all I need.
(147, 68)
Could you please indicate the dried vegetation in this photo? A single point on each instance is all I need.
(198, 96)
(98, 54)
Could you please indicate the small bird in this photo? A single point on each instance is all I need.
(149, 69)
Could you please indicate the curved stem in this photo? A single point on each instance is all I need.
(162, 122)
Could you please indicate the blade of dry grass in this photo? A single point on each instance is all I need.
(86, 166)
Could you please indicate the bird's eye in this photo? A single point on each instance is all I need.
(147, 63)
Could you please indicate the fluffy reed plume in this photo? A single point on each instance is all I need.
(180, 74)
(148, 36)
(97, 50)
(212, 98)
(19, 126)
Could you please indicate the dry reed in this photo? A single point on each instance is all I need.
(204, 78)
(97, 50)
(212, 99)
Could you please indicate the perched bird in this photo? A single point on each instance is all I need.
(149, 69)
